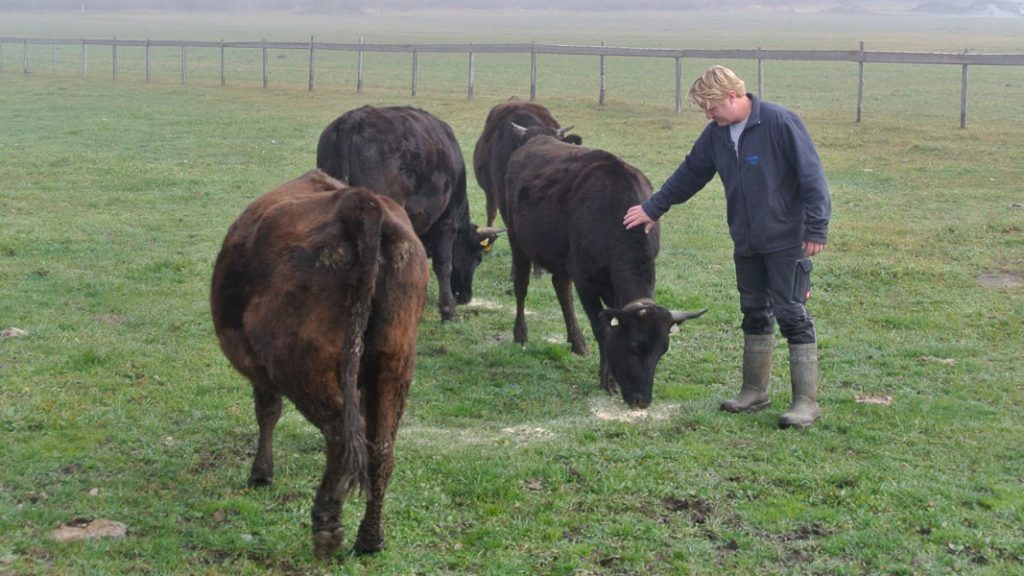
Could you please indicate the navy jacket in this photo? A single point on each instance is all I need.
(775, 191)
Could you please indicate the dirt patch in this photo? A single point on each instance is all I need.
(527, 433)
(111, 319)
(483, 304)
(12, 333)
(996, 280)
(88, 529)
(879, 400)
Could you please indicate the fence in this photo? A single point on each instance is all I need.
(860, 57)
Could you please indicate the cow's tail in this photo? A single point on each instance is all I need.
(332, 151)
(362, 216)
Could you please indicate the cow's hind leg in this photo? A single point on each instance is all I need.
(383, 413)
(563, 290)
(268, 412)
(328, 532)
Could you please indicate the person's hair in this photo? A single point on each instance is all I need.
(714, 85)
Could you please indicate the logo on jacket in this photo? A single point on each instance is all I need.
(753, 160)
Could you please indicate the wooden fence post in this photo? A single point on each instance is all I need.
(312, 63)
(149, 61)
(359, 68)
(963, 96)
(85, 58)
(533, 71)
(679, 85)
(760, 74)
(223, 78)
(860, 81)
(415, 66)
(600, 97)
(472, 76)
(265, 63)
(184, 63)
(24, 66)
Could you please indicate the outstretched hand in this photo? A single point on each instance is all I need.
(636, 216)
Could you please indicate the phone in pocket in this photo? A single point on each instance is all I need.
(802, 280)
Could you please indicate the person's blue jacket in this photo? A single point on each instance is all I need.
(775, 189)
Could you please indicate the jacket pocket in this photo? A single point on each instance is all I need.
(802, 280)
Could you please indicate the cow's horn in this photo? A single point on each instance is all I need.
(488, 230)
(637, 304)
(680, 316)
(519, 130)
(564, 131)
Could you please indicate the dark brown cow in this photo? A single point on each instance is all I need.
(316, 296)
(497, 143)
(412, 157)
(565, 205)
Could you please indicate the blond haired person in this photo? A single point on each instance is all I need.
(778, 209)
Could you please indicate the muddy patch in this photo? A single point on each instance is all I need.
(1001, 279)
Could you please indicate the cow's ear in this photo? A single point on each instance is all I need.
(573, 139)
(486, 238)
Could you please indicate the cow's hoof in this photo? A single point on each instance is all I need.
(260, 481)
(325, 542)
(369, 545)
(580, 350)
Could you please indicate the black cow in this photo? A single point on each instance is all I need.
(565, 205)
(412, 157)
(316, 296)
(498, 141)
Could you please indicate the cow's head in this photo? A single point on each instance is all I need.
(635, 339)
(468, 249)
(523, 133)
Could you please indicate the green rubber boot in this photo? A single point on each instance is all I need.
(803, 374)
(757, 368)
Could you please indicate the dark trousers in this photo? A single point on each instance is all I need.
(775, 287)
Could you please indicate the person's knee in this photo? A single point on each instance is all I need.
(758, 322)
(797, 330)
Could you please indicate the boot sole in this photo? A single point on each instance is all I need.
(745, 409)
(790, 424)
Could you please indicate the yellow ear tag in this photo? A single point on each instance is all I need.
(486, 243)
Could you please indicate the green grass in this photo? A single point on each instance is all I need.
(115, 196)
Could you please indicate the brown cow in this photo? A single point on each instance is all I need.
(498, 141)
(316, 296)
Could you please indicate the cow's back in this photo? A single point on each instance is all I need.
(293, 267)
(401, 152)
(566, 204)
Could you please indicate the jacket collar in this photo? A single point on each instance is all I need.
(755, 110)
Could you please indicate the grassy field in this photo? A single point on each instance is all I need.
(117, 403)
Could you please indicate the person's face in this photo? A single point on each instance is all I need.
(724, 112)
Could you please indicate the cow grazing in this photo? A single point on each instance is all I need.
(412, 157)
(498, 141)
(316, 296)
(565, 205)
